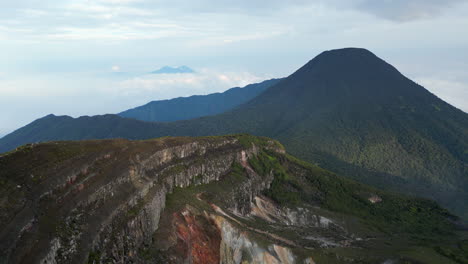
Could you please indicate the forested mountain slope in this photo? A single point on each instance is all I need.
(346, 110)
(184, 108)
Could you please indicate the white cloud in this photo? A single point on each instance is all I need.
(112, 32)
(407, 10)
(120, 1)
(165, 86)
(24, 100)
(34, 12)
(132, 20)
(203, 23)
(117, 10)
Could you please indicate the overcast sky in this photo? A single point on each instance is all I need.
(83, 57)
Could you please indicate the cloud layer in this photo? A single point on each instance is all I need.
(407, 10)
(117, 20)
(25, 100)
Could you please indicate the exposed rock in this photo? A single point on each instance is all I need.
(197, 239)
(375, 199)
(232, 199)
(112, 203)
(237, 247)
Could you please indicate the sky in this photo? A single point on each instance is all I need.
(83, 57)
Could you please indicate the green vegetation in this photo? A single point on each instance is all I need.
(402, 226)
(458, 252)
(94, 257)
(135, 210)
(147, 254)
(284, 189)
(184, 108)
(247, 141)
(216, 192)
(407, 228)
(394, 215)
(175, 169)
(346, 110)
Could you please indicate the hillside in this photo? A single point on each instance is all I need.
(346, 110)
(205, 200)
(184, 108)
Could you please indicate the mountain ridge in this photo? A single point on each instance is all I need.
(346, 110)
(204, 200)
(184, 108)
(173, 70)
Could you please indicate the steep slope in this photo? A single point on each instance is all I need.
(346, 109)
(228, 199)
(184, 108)
(350, 111)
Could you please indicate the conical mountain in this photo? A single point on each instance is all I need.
(353, 113)
(347, 110)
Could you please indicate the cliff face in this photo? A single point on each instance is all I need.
(232, 199)
(105, 201)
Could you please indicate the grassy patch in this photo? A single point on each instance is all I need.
(94, 257)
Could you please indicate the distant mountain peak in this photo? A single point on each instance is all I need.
(344, 57)
(172, 70)
(350, 50)
(351, 75)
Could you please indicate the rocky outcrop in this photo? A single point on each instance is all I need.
(231, 199)
(123, 234)
(215, 237)
(237, 247)
(268, 210)
(107, 206)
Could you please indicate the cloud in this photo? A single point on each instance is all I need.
(201, 23)
(122, 20)
(24, 100)
(165, 86)
(406, 10)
